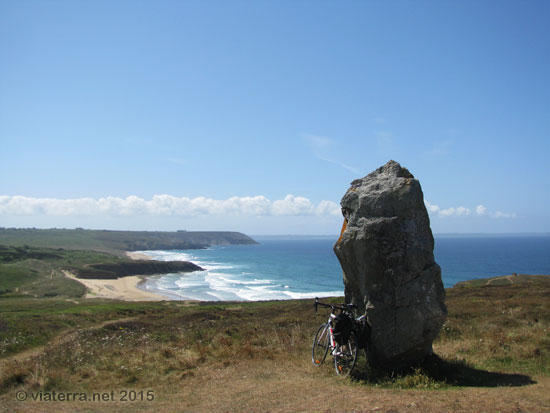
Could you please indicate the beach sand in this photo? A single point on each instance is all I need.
(125, 288)
(137, 256)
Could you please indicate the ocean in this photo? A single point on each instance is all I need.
(306, 267)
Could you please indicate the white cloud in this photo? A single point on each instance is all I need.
(431, 208)
(463, 211)
(452, 211)
(340, 164)
(166, 205)
(324, 148)
(328, 208)
(500, 214)
(480, 210)
(292, 205)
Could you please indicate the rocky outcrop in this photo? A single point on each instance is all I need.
(138, 267)
(386, 253)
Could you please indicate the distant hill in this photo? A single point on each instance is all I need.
(119, 241)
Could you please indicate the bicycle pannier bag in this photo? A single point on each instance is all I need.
(362, 332)
(342, 328)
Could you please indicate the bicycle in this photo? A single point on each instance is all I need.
(344, 351)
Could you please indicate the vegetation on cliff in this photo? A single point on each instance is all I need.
(38, 272)
(32, 260)
(123, 269)
(119, 241)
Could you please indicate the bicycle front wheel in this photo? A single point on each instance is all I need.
(321, 344)
(345, 356)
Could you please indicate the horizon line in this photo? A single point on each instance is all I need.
(284, 235)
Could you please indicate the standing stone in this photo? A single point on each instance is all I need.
(386, 252)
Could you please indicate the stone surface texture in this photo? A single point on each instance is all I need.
(386, 253)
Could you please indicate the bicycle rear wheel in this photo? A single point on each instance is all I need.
(321, 345)
(345, 356)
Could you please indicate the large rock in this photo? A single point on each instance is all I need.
(386, 252)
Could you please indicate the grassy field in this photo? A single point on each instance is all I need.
(36, 271)
(491, 355)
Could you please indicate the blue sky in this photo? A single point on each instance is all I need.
(255, 116)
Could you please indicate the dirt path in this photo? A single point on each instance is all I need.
(508, 277)
(62, 338)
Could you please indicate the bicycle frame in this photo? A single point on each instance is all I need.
(333, 344)
(345, 354)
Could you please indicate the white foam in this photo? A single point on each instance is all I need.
(258, 293)
(212, 266)
(297, 296)
(225, 295)
(189, 282)
(168, 255)
(243, 282)
(217, 283)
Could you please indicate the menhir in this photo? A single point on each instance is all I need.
(386, 252)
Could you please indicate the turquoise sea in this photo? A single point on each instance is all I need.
(306, 267)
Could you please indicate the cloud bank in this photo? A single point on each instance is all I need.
(479, 210)
(167, 205)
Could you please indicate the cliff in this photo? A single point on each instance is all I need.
(139, 267)
(119, 241)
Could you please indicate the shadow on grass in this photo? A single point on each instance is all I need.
(459, 373)
(436, 372)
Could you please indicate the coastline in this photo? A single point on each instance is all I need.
(143, 280)
(124, 288)
(138, 256)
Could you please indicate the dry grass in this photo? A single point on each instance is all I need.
(499, 327)
(493, 355)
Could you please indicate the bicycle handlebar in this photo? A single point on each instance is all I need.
(343, 307)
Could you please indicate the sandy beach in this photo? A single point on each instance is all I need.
(137, 256)
(125, 288)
